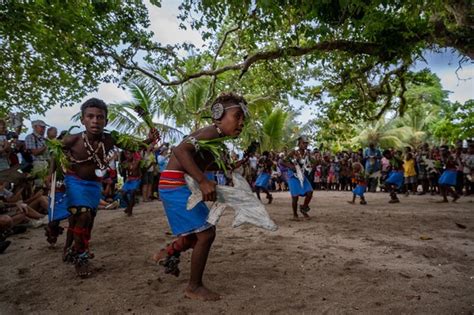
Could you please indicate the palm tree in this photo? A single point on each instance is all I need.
(381, 133)
(270, 125)
(188, 107)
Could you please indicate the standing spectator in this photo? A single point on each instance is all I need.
(4, 147)
(162, 161)
(35, 143)
(372, 157)
(421, 162)
(253, 161)
(409, 174)
(345, 174)
(469, 169)
(52, 133)
(459, 159)
(148, 167)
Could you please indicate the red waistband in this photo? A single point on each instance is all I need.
(172, 174)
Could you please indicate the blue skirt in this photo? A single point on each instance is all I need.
(395, 178)
(262, 180)
(60, 207)
(82, 193)
(131, 185)
(359, 190)
(295, 187)
(448, 178)
(182, 221)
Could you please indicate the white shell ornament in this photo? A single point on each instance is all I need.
(99, 172)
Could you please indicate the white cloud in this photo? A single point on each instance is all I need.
(165, 25)
(462, 88)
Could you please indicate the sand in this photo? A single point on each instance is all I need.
(411, 257)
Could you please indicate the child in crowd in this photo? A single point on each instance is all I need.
(447, 180)
(148, 168)
(132, 184)
(361, 183)
(395, 177)
(409, 174)
(263, 180)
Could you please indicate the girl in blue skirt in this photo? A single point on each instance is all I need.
(263, 179)
(361, 181)
(395, 177)
(447, 180)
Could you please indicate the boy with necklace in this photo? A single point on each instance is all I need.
(190, 226)
(88, 153)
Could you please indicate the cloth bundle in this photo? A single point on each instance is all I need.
(248, 209)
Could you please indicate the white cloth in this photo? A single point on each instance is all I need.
(248, 209)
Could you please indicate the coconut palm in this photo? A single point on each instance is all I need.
(188, 108)
(381, 133)
(270, 125)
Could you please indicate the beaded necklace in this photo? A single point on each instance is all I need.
(103, 162)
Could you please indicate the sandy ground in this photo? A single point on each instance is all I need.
(410, 258)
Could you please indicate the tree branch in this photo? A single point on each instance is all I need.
(212, 84)
(296, 51)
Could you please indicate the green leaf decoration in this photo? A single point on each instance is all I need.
(217, 148)
(56, 150)
(128, 142)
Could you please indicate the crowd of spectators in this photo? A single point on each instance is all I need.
(334, 171)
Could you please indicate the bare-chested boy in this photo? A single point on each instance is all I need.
(88, 154)
(228, 112)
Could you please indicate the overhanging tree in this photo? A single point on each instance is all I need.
(364, 48)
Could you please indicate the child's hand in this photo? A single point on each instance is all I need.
(208, 189)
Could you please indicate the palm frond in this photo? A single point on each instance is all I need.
(273, 129)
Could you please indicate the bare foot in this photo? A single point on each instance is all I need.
(157, 257)
(201, 293)
(455, 198)
(82, 270)
(351, 202)
(306, 216)
(295, 218)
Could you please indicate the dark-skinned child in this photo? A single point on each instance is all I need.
(190, 226)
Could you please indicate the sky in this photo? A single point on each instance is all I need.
(165, 25)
